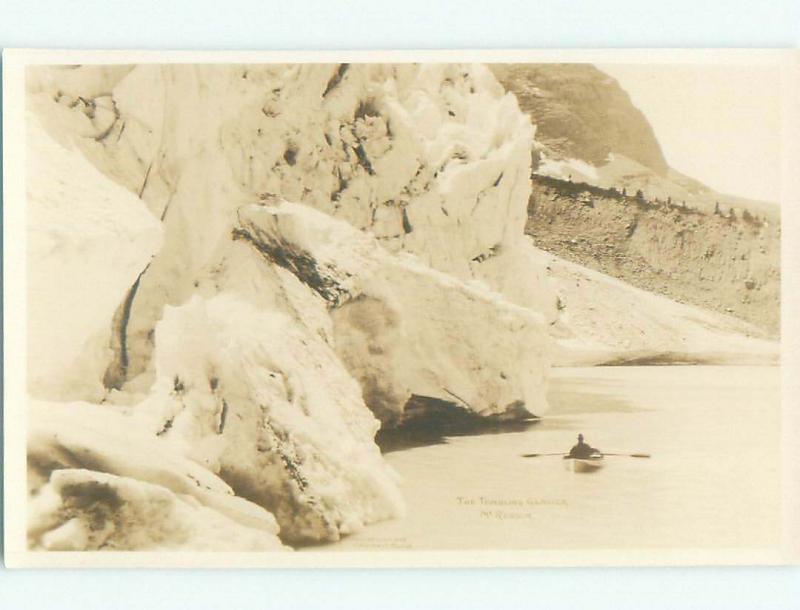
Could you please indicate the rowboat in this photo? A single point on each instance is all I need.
(589, 464)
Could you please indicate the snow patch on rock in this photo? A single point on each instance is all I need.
(575, 170)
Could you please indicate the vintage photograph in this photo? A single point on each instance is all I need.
(306, 310)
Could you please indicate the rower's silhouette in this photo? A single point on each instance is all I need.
(582, 450)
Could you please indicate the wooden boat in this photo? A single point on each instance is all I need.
(590, 464)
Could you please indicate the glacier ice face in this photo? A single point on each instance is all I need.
(432, 159)
(402, 328)
(257, 333)
(87, 241)
(84, 108)
(267, 404)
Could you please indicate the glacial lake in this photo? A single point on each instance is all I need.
(712, 481)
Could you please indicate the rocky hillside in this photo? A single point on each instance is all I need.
(722, 262)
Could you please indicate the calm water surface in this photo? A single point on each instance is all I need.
(712, 481)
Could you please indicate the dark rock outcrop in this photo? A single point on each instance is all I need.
(582, 113)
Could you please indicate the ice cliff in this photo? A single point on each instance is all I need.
(88, 239)
(401, 327)
(262, 265)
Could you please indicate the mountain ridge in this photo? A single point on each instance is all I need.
(588, 129)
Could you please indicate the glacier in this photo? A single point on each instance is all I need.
(87, 241)
(402, 328)
(264, 265)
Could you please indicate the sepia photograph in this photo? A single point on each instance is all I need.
(377, 309)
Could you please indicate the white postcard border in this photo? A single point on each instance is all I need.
(15, 400)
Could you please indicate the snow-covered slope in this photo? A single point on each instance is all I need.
(652, 226)
(651, 329)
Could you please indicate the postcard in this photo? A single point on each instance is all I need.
(401, 309)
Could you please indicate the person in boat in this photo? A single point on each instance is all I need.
(582, 450)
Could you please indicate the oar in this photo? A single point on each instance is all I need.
(633, 455)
